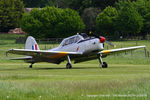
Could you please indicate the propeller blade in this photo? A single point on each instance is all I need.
(92, 34)
(110, 44)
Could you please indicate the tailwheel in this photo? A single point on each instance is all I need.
(104, 65)
(68, 66)
(31, 65)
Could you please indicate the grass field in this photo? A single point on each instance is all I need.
(128, 76)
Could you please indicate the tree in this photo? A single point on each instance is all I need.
(80, 5)
(37, 3)
(121, 3)
(143, 7)
(43, 3)
(52, 22)
(89, 16)
(146, 28)
(129, 21)
(105, 21)
(103, 3)
(10, 13)
(62, 3)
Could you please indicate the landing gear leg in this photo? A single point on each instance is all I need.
(68, 65)
(31, 65)
(104, 64)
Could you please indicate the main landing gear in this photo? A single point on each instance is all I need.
(68, 65)
(104, 64)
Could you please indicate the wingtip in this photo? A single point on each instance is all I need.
(143, 46)
(115, 46)
(8, 52)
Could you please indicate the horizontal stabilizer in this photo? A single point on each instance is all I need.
(21, 58)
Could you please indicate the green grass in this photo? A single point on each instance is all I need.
(54, 82)
(128, 76)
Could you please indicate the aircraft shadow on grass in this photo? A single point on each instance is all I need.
(51, 68)
(46, 68)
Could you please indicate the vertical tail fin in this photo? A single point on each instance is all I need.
(31, 44)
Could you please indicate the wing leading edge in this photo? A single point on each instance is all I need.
(106, 52)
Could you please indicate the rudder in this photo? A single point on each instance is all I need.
(31, 44)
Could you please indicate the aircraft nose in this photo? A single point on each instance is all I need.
(102, 39)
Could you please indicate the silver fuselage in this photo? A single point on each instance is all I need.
(88, 46)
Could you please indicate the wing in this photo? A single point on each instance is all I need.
(42, 53)
(106, 52)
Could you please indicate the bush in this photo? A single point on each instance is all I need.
(52, 22)
(105, 21)
(10, 13)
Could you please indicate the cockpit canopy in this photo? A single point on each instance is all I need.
(71, 40)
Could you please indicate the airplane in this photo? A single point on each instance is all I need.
(79, 48)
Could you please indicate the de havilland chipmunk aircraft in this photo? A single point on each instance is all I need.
(79, 48)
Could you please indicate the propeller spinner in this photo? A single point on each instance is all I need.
(102, 39)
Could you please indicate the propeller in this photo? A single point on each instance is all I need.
(110, 44)
(102, 39)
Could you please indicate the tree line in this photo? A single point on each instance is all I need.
(11, 12)
(61, 18)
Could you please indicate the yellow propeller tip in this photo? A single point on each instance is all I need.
(90, 33)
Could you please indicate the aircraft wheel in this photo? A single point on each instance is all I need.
(68, 66)
(30, 66)
(104, 65)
